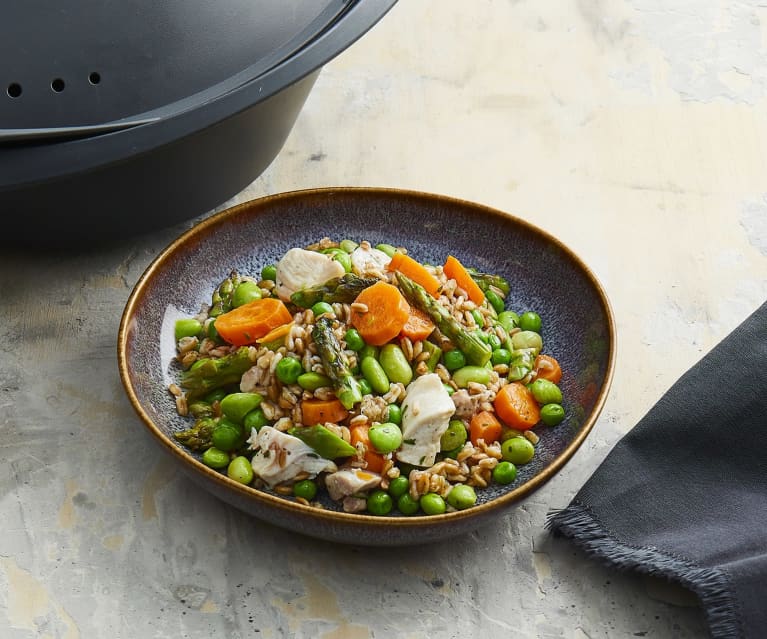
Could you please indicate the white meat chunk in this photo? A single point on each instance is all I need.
(281, 457)
(426, 414)
(369, 261)
(348, 482)
(299, 269)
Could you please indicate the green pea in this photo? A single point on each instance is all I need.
(450, 390)
(375, 375)
(387, 248)
(500, 356)
(379, 503)
(509, 320)
(527, 340)
(215, 458)
(306, 489)
(288, 369)
(398, 486)
(546, 392)
(478, 319)
(269, 272)
(245, 292)
(493, 341)
(394, 414)
(312, 381)
(320, 308)
(215, 395)
(365, 387)
(453, 360)
(348, 245)
(454, 436)
(187, 327)
(395, 364)
(552, 414)
(368, 350)
(227, 435)
(495, 300)
(255, 419)
(241, 470)
(386, 437)
(353, 339)
(432, 504)
(407, 505)
(236, 405)
(504, 473)
(477, 374)
(517, 450)
(461, 497)
(530, 321)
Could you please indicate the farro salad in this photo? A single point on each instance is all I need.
(357, 372)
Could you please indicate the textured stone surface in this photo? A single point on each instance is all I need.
(633, 130)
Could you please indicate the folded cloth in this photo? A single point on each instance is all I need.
(684, 494)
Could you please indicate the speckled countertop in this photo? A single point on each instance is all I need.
(634, 130)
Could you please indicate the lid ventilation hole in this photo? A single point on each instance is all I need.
(94, 78)
(14, 90)
(58, 85)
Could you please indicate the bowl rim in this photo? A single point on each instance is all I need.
(335, 517)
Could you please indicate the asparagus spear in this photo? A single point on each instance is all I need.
(335, 363)
(342, 289)
(486, 280)
(208, 374)
(198, 437)
(477, 353)
(222, 296)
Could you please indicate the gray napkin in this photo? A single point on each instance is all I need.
(684, 494)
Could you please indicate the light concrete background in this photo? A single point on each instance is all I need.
(634, 130)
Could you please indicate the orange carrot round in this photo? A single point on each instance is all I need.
(547, 367)
(379, 313)
(415, 271)
(375, 461)
(319, 411)
(517, 407)
(418, 326)
(484, 425)
(247, 323)
(454, 270)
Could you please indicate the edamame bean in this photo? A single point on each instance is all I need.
(394, 414)
(187, 327)
(227, 435)
(461, 497)
(307, 489)
(385, 437)
(348, 245)
(509, 320)
(240, 470)
(353, 339)
(395, 364)
(399, 486)
(343, 258)
(454, 436)
(453, 360)
(320, 308)
(368, 350)
(546, 392)
(387, 248)
(504, 473)
(517, 450)
(493, 341)
(375, 375)
(495, 300)
(379, 503)
(365, 387)
(478, 319)
(312, 381)
(552, 414)
(500, 356)
(527, 339)
(432, 504)
(236, 405)
(478, 374)
(288, 369)
(407, 505)
(245, 292)
(530, 321)
(215, 458)
(269, 272)
(215, 395)
(255, 419)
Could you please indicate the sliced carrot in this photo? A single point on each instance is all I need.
(418, 326)
(547, 367)
(375, 461)
(381, 314)
(484, 425)
(517, 407)
(415, 271)
(320, 411)
(456, 271)
(275, 334)
(247, 323)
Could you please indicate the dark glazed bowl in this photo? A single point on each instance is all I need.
(578, 328)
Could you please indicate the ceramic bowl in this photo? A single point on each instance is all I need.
(578, 328)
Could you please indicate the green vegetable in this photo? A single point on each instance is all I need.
(546, 392)
(201, 409)
(227, 435)
(527, 339)
(477, 374)
(399, 486)
(198, 437)
(386, 437)
(454, 437)
(493, 341)
(432, 504)
(348, 245)
(407, 505)
(255, 419)
(387, 248)
(375, 375)
(246, 291)
(335, 363)
(236, 405)
(215, 395)
(395, 364)
(320, 308)
(368, 350)
(504, 473)
(435, 352)
(325, 443)
(530, 321)
(478, 319)
(474, 350)
(379, 503)
(521, 364)
(221, 300)
(517, 450)
(365, 387)
(305, 488)
(240, 470)
(312, 381)
(269, 272)
(342, 289)
(453, 360)
(500, 356)
(450, 390)
(188, 327)
(353, 339)
(212, 374)
(212, 333)
(340, 256)
(552, 414)
(215, 458)
(394, 414)
(495, 300)
(509, 320)
(288, 370)
(486, 280)
(461, 497)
